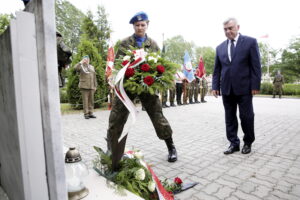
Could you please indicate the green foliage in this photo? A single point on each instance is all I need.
(4, 22)
(290, 65)
(136, 84)
(288, 89)
(63, 95)
(175, 48)
(291, 89)
(98, 31)
(208, 54)
(104, 31)
(266, 88)
(86, 48)
(128, 175)
(68, 22)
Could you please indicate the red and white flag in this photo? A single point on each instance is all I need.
(110, 63)
(201, 69)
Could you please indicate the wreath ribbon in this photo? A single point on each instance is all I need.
(121, 93)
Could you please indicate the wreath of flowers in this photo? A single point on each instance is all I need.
(133, 175)
(152, 75)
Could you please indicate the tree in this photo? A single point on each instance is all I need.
(68, 22)
(208, 54)
(89, 45)
(175, 48)
(104, 31)
(4, 22)
(86, 47)
(290, 65)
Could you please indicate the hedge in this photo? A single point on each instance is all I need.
(288, 89)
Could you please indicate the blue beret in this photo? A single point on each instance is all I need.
(140, 16)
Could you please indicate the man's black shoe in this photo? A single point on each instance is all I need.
(246, 149)
(231, 150)
(92, 116)
(86, 117)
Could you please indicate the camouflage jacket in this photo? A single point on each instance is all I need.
(149, 45)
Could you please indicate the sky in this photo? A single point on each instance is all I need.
(199, 21)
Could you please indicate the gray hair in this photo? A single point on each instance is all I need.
(229, 20)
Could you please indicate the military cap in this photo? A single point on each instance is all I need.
(140, 16)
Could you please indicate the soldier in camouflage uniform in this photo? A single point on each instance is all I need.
(203, 89)
(151, 103)
(277, 84)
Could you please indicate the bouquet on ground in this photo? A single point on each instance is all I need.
(132, 174)
(146, 72)
(136, 176)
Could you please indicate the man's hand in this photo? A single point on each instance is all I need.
(84, 60)
(254, 92)
(216, 93)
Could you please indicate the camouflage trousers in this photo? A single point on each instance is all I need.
(277, 89)
(119, 115)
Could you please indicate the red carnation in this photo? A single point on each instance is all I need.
(160, 69)
(149, 80)
(125, 62)
(129, 72)
(145, 67)
(171, 193)
(178, 181)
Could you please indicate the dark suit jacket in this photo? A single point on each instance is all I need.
(243, 73)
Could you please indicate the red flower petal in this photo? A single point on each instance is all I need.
(149, 80)
(129, 72)
(160, 69)
(178, 181)
(145, 67)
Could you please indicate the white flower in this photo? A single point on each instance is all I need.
(138, 155)
(140, 174)
(139, 53)
(151, 186)
(126, 58)
(152, 58)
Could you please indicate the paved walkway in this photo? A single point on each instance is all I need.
(270, 172)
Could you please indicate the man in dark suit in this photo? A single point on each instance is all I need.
(237, 76)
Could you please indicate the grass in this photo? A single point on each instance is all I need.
(66, 108)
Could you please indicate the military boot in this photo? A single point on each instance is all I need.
(172, 157)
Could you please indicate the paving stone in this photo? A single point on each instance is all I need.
(204, 196)
(224, 192)
(283, 195)
(200, 139)
(212, 188)
(244, 196)
(296, 190)
(261, 191)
